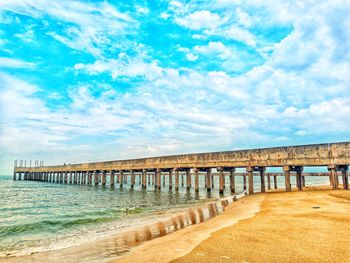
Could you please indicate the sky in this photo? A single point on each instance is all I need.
(84, 81)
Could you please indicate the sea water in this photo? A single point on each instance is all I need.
(41, 216)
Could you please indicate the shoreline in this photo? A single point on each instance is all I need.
(300, 226)
(180, 243)
(120, 243)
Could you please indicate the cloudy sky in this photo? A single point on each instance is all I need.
(104, 80)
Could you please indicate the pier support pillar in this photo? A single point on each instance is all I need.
(232, 180)
(176, 180)
(286, 170)
(104, 175)
(221, 180)
(333, 177)
(89, 177)
(170, 180)
(121, 179)
(188, 179)
(112, 179)
(244, 182)
(250, 180)
(268, 181)
(262, 178)
(275, 181)
(344, 175)
(143, 179)
(182, 180)
(209, 176)
(163, 179)
(96, 179)
(299, 177)
(196, 180)
(212, 181)
(65, 177)
(159, 179)
(132, 180)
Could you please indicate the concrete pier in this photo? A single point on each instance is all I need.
(291, 160)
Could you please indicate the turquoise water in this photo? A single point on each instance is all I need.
(37, 216)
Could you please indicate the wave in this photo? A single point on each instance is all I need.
(57, 225)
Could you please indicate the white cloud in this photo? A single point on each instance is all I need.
(201, 19)
(191, 57)
(214, 48)
(15, 63)
(90, 22)
(164, 15)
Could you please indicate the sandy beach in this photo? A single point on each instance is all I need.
(307, 226)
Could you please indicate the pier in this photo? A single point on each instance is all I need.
(154, 171)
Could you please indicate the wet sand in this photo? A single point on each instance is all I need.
(183, 241)
(308, 226)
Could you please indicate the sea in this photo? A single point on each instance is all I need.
(42, 216)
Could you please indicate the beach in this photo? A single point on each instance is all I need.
(305, 226)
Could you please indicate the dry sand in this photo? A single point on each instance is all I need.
(308, 226)
(290, 227)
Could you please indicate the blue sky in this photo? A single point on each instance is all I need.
(97, 80)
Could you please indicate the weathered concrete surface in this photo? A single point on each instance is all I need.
(305, 155)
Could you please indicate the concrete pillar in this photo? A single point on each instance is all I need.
(89, 177)
(299, 179)
(149, 179)
(182, 180)
(232, 180)
(132, 180)
(176, 180)
(96, 179)
(333, 176)
(159, 179)
(111, 181)
(262, 178)
(65, 177)
(188, 179)
(163, 179)
(155, 175)
(196, 180)
(104, 176)
(275, 181)
(268, 181)
(221, 180)
(286, 170)
(212, 181)
(244, 182)
(208, 178)
(170, 180)
(144, 174)
(345, 177)
(250, 180)
(71, 174)
(121, 179)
